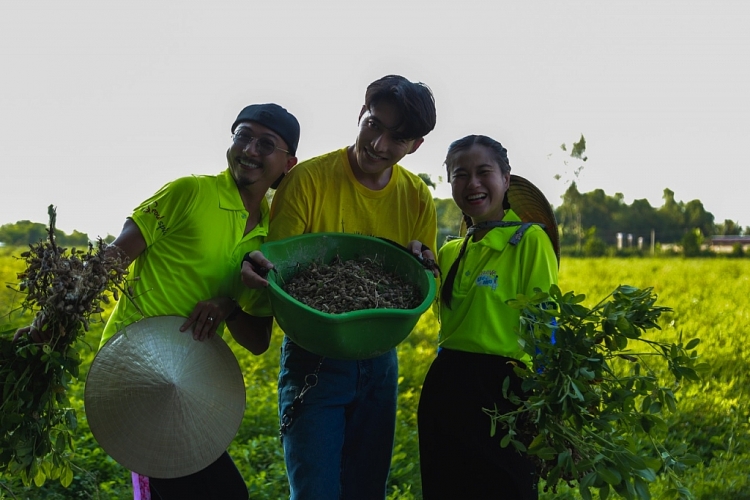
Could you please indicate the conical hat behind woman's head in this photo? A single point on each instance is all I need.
(530, 204)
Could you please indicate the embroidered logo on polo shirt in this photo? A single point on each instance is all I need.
(487, 279)
(151, 209)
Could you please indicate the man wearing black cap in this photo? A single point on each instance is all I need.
(186, 244)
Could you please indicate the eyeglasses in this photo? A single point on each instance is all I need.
(264, 146)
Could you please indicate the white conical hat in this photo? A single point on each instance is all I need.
(162, 404)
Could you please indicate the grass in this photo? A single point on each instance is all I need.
(710, 298)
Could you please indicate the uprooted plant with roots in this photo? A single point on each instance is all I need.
(65, 291)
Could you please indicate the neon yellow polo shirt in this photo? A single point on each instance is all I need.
(193, 229)
(491, 272)
(322, 195)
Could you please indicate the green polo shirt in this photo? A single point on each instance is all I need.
(491, 272)
(193, 229)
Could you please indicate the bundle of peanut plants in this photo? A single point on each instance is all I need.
(63, 290)
(593, 395)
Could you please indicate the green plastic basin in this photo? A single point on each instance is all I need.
(352, 335)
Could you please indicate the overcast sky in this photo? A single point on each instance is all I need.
(103, 102)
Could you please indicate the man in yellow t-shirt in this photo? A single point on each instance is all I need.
(338, 441)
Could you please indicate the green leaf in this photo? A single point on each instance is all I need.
(39, 477)
(518, 445)
(609, 475)
(577, 391)
(647, 474)
(577, 310)
(608, 327)
(505, 441)
(671, 402)
(60, 443)
(584, 491)
(66, 478)
(546, 453)
(625, 489)
(646, 404)
(641, 489)
(652, 462)
(506, 385)
(646, 424)
(690, 460)
(690, 374)
(684, 492)
(692, 344)
(621, 341)
(604, 492)
(702, 367)
(634, 461)
(70, 419)
(554, 475)
(536, 443)
(623, 325)
(655, 407)
(588, 480)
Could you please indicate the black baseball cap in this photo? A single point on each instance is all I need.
(274, 117)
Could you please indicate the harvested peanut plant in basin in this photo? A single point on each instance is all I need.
(352, 285)
(64, 289)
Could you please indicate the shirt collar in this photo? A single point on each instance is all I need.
(229, 195)
(500, 236)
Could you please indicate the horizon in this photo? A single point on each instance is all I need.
(555, 207)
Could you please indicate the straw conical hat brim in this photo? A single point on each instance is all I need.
(162, 404)
(528, 202)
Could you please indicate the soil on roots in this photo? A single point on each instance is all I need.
(352, 285)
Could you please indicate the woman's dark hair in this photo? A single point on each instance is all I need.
(414, 101)
(501, 156)
(463, 144)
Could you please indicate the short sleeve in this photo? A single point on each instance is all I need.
(167, 209)
(539, 264)
(288, 208)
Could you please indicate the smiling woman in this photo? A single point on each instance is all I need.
(500, 258)
(479, 178)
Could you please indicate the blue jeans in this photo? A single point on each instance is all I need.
(339, 439)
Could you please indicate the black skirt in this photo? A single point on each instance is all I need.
(458, 457)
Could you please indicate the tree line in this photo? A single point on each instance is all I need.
(594, 218)
(25, 232)
(594, 222)
(588, 223)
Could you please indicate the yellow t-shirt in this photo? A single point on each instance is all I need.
(193, 228)
(491, 272)
(322, 195)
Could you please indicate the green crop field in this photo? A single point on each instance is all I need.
(710, 298)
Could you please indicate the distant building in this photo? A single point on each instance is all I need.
(725, 243)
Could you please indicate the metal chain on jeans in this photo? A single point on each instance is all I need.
(311, 380)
